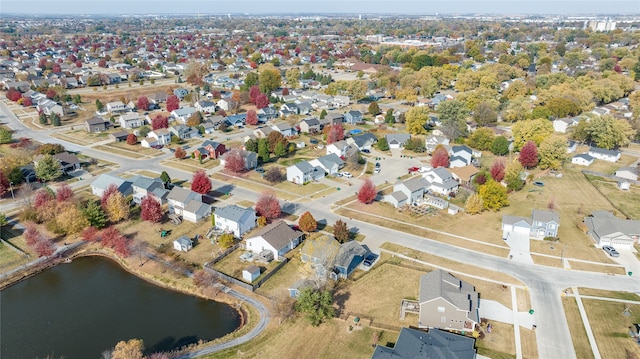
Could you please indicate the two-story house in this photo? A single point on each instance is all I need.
(161, 136)
(540, 225)
(96, 124)
(116, 107)
(130, 120)
(183, 114)
(234, 219)
(330, 163)
(460, 156)
(205, 106)
(250, 159)
(310, 125)
(146, 186)
(303, 172)
(353, 117)
(211, 149)
(441, 181)
(363, 142)
(340, 148)
(407, 192)
(285, 129)
(188, 204)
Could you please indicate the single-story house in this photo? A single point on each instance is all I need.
(582, 159)
(608, 230)
(234, 219)
(349, 257)
(68, 161)
(183, 244)
(103, 181)
(277, 237)
(604, 154)
(630, 173)
(397, 140)
(250, 159)
(120, 136)
(363, 142)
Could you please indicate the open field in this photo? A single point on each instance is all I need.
(120, 152)
(529, 343)
(609, 294)
(190, 165)
(81, 137)
(610, 327)
(626, 202)
(9, 258)
(147, 152)
(592, 267)
(578, 333)
(500, 343)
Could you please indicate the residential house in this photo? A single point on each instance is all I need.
(68, 161)
(120, 136)
(103, 181)
(630, 173)
(205, 106)
(340, 101)
(542, 224)
(162, 136)
(572, 146)
(447, 302)
(303, 172)
(130, 120)
(267, 114)
(397, 140)
(182, 114)
(310, 125)
(432, 141)
(146, 186)
(96, 124)
(435, 343)
(285, 129)
(209, 127)
(407, 192)
(562, 124)
(49, 107)
(211, 149)
(234, 219)
(341, 148)
(604, 154)
(277, 237)
(465, 174)
(330, 163)
(236, 120)
(184, 132)
(440, 181)
(362, 142)
(332, 118)
(349, 257)
(320, 253)
(609, 230)
(262, 132)
(460, 156)
(582, 159)
(223, 104)
(157, 98)
(250, 159)
(183, 244)
(181, 93)
(116, 107)
(353, 117)
(289, 109)
(188, 204)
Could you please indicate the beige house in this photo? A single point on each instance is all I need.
(447, 302)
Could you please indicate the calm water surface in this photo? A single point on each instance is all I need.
(80, 309)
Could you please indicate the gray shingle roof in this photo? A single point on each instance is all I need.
(233, 213)
(278, 234)
(441, 284)
(347, 252)
(435, 344)
(545, 216)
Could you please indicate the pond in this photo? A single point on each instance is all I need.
(80, 309)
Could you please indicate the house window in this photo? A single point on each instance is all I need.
(440, 309)
(444, 319)
(552, 226)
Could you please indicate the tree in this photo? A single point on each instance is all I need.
(374, 109)
(63, 192)
(274, 138)
(484, 114)
(608, 132)
(90, 234)
(440, 157)
(173, 103)
(497, 170)
(164, 177)
(268, 205)
(44, 247)
(269, 78)
(200, 182)
(5, 136)
(3, 222)
(529, 155)
(143, 103)
(99, 105)
(317, 305)
(151, 209)
(131, 349)
(416, 145)
(226, 240)
(280, 150)
(117, 207)
(416, 120)
(494, 195)
(234, 161)
(5, 185)
(48, 168)
(307, 223)
(500, 146)
(274, 175)
(254, 91)
(389, 118)
(13, 94)
(481, 139)
(336, 133)
(55, 119)
(195, 119)
(474, 204)
(513, 176)
(323, 113)
(252, 118)
(383, 145)
(110, 236)
(553, 153)
(367, 192)
(159, 121)
(43, 119)
(453, 115)
(203, 279)
(132, 139)
(531, 130)
(180, 153)
(50, 148)
(341, 232)
(293, 75)
(262, 101)
(263, 150)
(251, 145)
(69, 218)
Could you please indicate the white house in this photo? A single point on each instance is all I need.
(234, 219)
(582, 159)
(188, 204)
(340, 148)
(303, 172)
(397, 140)
(441, 181)
(182, 114)
(330, 163)
(277, 237)
(604, 154)
(540, 225)
(407, 192)
(460, 156)
(433, 140)
(183, 244)
(162, 136)
(130, 120)
(630, 173)
(562, 124)
(205, 106)
(102, 182)
(116, 106)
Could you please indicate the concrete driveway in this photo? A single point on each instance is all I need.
(629, 260)
(498, 312)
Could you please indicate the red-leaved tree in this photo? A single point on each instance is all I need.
(51, 93)
(151, 209)
(31, 233)
(200, 182)
(233, 161)
(122, 246)
(42, 198)
(529, 155)
(159, 121)
(110, 235)
(27, 102)
(285, 92)
(268, 205)
(44, 247)
(262, 101)
(180, 153)
(440, 157)
(367, 192)
(173, 103)
(497, 170)
(111, 189)
(13, 94)
(143, 103)
(64, 193)
(254, 92)
(252, 117)
(5, 185)
(90, 234)
(132, 139)
(336, 133)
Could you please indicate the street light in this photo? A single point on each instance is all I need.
(11, 187)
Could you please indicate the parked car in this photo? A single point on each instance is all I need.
(157, 147)
(346, 174)
(338, 174)
(413, 169)
(538, 183)
(377, 164)
(611, 251)
(313, 141)
(259, 169)
(365, 151)
(369, 259)
(377, 170)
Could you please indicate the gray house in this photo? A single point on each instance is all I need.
(234, 219)
(102, 182)
(96, 124)
(435, 343)
(331, 163)
(303, 172)
(397, 140)
(407, 192)
(320, 253)
(541, 224)
(353, 117)
(447, 302)
(609, 230)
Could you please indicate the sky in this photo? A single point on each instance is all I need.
(412, 7)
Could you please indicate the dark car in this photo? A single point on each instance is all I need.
(377, 164)
(368, 261)
(259, 169)
(157, 147)
(538, 183)
(366, 151)
(313, 141)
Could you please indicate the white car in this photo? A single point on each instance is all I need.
(346, 174)
(377, 170)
